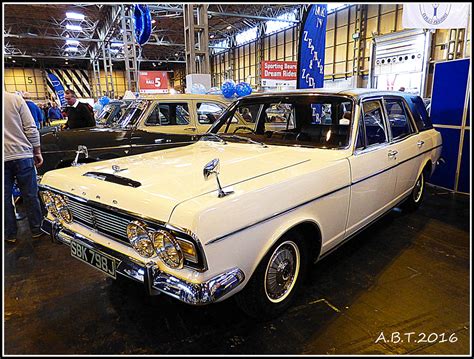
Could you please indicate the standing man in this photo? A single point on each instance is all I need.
(54, 113)
(78, 114)
(21, 153)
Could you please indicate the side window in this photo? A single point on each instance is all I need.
(398, 118)
(422, 119)
(169, 114)
(374, 125)
(209, 112)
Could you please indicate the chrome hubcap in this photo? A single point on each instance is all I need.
(282, 271)
(418, 191)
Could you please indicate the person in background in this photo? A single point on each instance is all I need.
(35, 110)
(79, 114)
(21, 153)
(54, 113)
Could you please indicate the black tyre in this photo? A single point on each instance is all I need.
(416, 196)
(277, 278)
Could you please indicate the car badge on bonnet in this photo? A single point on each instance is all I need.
(116, 169)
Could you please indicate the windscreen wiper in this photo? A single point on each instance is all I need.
(248, 140)
(214, 136)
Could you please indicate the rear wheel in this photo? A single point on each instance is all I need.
(277, 278)
(416, 196)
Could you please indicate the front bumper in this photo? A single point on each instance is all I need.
(154, 280)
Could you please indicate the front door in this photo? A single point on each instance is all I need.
(372, 168)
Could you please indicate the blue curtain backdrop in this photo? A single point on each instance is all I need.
(58, 88)
(311, 47)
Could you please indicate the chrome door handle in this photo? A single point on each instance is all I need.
(159, 140)
(190, 129)
(420, 143)
(392, 154)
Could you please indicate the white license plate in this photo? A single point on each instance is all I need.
(98, 260)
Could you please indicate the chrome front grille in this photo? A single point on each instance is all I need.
(102, 221)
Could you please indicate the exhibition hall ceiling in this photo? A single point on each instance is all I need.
(37, 34)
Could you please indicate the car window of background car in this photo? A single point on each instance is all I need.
(209, 112)
(168, 114)
(374, 125)
(422, 119)
(131, 116)
(279, 116)
(398, 118)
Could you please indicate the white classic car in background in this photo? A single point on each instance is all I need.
(245, 210)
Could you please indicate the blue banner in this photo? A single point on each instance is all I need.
(58, 88)
(311, 47)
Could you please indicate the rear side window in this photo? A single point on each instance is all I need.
(422, 119)
(398, 118)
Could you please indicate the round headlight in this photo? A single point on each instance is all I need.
(62, 209)
(168, 249)
(48, 201)
(139, 239)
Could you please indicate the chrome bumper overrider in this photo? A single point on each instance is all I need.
(154, 280)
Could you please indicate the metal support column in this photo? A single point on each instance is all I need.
(96, 86)
(359, 44)
(196, 39)
(109, 79)
(129, 48)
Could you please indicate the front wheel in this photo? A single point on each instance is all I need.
(277, 278)
(416, 196)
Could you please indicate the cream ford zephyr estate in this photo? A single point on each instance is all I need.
(245, 210)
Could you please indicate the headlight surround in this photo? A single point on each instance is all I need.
(140, 239)
(62, 209)
(168, 249)
(48, 201)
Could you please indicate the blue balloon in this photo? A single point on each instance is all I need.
(143, 25)
(228, 88)
(104, 100)
(243, 89)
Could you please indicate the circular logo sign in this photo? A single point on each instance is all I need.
(434, 14)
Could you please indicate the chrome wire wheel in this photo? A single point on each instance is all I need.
(282, 271)
(418, 190)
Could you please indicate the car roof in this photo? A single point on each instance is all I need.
(352, 92)
(183, 96)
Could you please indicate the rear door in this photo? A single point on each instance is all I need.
(406, 143)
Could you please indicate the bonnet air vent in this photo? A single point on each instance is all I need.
(113, 178)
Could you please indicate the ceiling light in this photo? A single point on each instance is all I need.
(13, 61)
(72, 42)
(176, 54)
(153, 21)
(9, 57)
(71, 48)
(74, 16)
(229, 27)
(116, 44)
(73, 27)
(212, 36)
(66, 62)
(34, 59)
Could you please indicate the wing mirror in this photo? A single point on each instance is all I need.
(80, 149)
(211, 168)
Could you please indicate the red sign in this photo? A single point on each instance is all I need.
(279, 70)
(153, 82)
